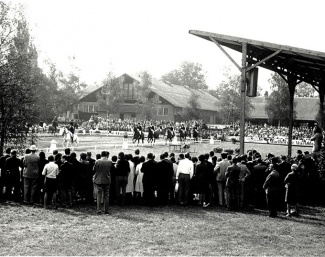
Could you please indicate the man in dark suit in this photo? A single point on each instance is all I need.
(13, 166)
(165, 174)
(3, 173)
(149, 170)
(258, 179)
(66, 181)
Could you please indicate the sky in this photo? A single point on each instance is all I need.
(129, 36)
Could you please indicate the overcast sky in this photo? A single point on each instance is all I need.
(128, 36)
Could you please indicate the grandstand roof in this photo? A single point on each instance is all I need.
(306, 108)
(180, 95)
(306, 65)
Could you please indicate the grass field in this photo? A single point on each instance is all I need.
(113, 145)
(173, 230)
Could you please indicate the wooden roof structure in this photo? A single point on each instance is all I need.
(293, 64)
(306, 65)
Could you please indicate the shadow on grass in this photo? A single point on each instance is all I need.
(312, 215)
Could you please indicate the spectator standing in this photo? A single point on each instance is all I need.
(41, 178)
(258, 179)
(232, 184)
(184, 174)
(149, 170)
(220, 170)
(271, 187)
(122, 173)
(130, 185)
(30, 174)
(51, 172)
(164, 179)
(84, 174)
(66, 181)
(3, 175)
(202, 177)
(13, 166)
(112, 189)
(243, 175)
(292, 187)
(138, 183)
(102, 181)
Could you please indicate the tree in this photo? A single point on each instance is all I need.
(277, 104)
(305, 90)
(192, 109)
(188, 74)
(229, 99)
(111, 93)
(146, 100)
(18, 77)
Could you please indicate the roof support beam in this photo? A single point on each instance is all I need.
(263, 60)
(243, 99)
(225, 52)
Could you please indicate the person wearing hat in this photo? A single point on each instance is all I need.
(291, 184)
(30, 175)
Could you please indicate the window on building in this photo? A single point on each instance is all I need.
(90, 108)
(128, 91)
(163, 111)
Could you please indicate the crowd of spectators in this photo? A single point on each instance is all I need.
(114, 124)
(233, 182)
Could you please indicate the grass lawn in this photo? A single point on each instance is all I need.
(171, 230)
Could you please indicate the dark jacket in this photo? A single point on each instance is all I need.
(122, 168)
(149, 170)
(12, 166)
(66, 175)
(165, 172)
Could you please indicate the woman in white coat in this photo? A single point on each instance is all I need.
(138, 183)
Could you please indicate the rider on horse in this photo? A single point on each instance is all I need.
(71, 129)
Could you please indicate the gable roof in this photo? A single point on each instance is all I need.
(180, 95)
(306, 108)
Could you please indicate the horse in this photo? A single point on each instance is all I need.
(195, 135)
(51, 129)
(153, 135)
(67, 137)
(182, 135)
(137, 136)
(170, 135)
(151, 138)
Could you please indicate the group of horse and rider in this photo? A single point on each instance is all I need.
(168, 132)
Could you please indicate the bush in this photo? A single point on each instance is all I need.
(229, 151)
(80, 131)
(218, 150)
(87, 131)
(125, 135)
(233, 140)
(97, 131)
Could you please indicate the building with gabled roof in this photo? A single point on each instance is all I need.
(172, 100)
(307, 109)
